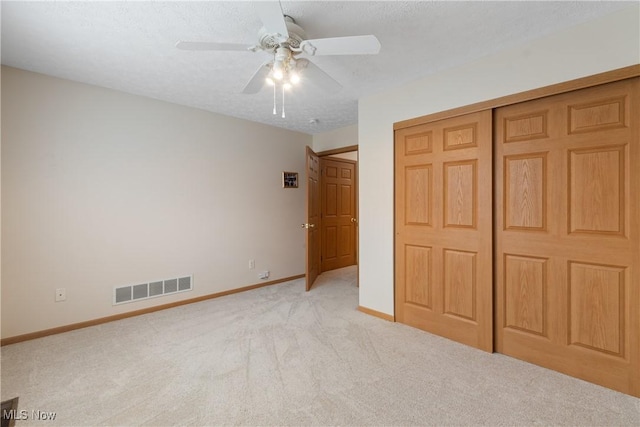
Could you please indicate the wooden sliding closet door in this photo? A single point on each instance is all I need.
(443, 227)
(568, 238)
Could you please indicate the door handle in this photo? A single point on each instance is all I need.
(354, 220)
(308, 225)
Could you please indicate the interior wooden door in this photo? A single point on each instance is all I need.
(312, 225)
(443, 226)
(567, 240)
(338, 213)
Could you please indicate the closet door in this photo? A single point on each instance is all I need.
(567, 237)
(443, 244)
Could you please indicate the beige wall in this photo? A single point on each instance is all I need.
(350, 155)
(338, 138)
(104, 189)
(604, 44)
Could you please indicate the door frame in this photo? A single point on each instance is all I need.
(342, 150)
(323, 202)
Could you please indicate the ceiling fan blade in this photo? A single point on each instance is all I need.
(353, 45)
(212, 46)
(272, 18)
(256, 82)
(313, 73)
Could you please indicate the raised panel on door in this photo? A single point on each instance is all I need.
(443, 242)
(596, 187)
(418, 283)
(418, 181)
(525, 287)
(568, 238)
(596, 307)
(460, 189)
(338, 213)
(460, 284)
(525, 193)
(330, 209)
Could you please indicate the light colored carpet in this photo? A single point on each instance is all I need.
(281, 356)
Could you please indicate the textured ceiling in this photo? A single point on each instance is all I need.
(129, 46)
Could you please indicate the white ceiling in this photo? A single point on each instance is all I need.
(129, 46)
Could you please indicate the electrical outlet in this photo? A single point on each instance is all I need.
(263, 275)
(61, 294)
(252, 264)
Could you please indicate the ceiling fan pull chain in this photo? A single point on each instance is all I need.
(283, 116)
(274, 99)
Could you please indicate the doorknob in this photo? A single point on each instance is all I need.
(354, 220)
(308, 225)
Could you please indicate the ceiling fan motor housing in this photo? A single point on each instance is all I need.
(269, 42)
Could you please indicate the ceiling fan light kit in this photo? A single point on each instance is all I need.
(287, 42)
(283, 72)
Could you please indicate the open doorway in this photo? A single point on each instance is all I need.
(332, 211)
(339, 208)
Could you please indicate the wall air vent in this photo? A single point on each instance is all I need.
(157, 288)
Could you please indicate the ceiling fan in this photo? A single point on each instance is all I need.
(289, 48)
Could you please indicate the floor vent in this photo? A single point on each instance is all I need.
(130, 293)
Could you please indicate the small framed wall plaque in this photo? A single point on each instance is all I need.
(289, 179)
